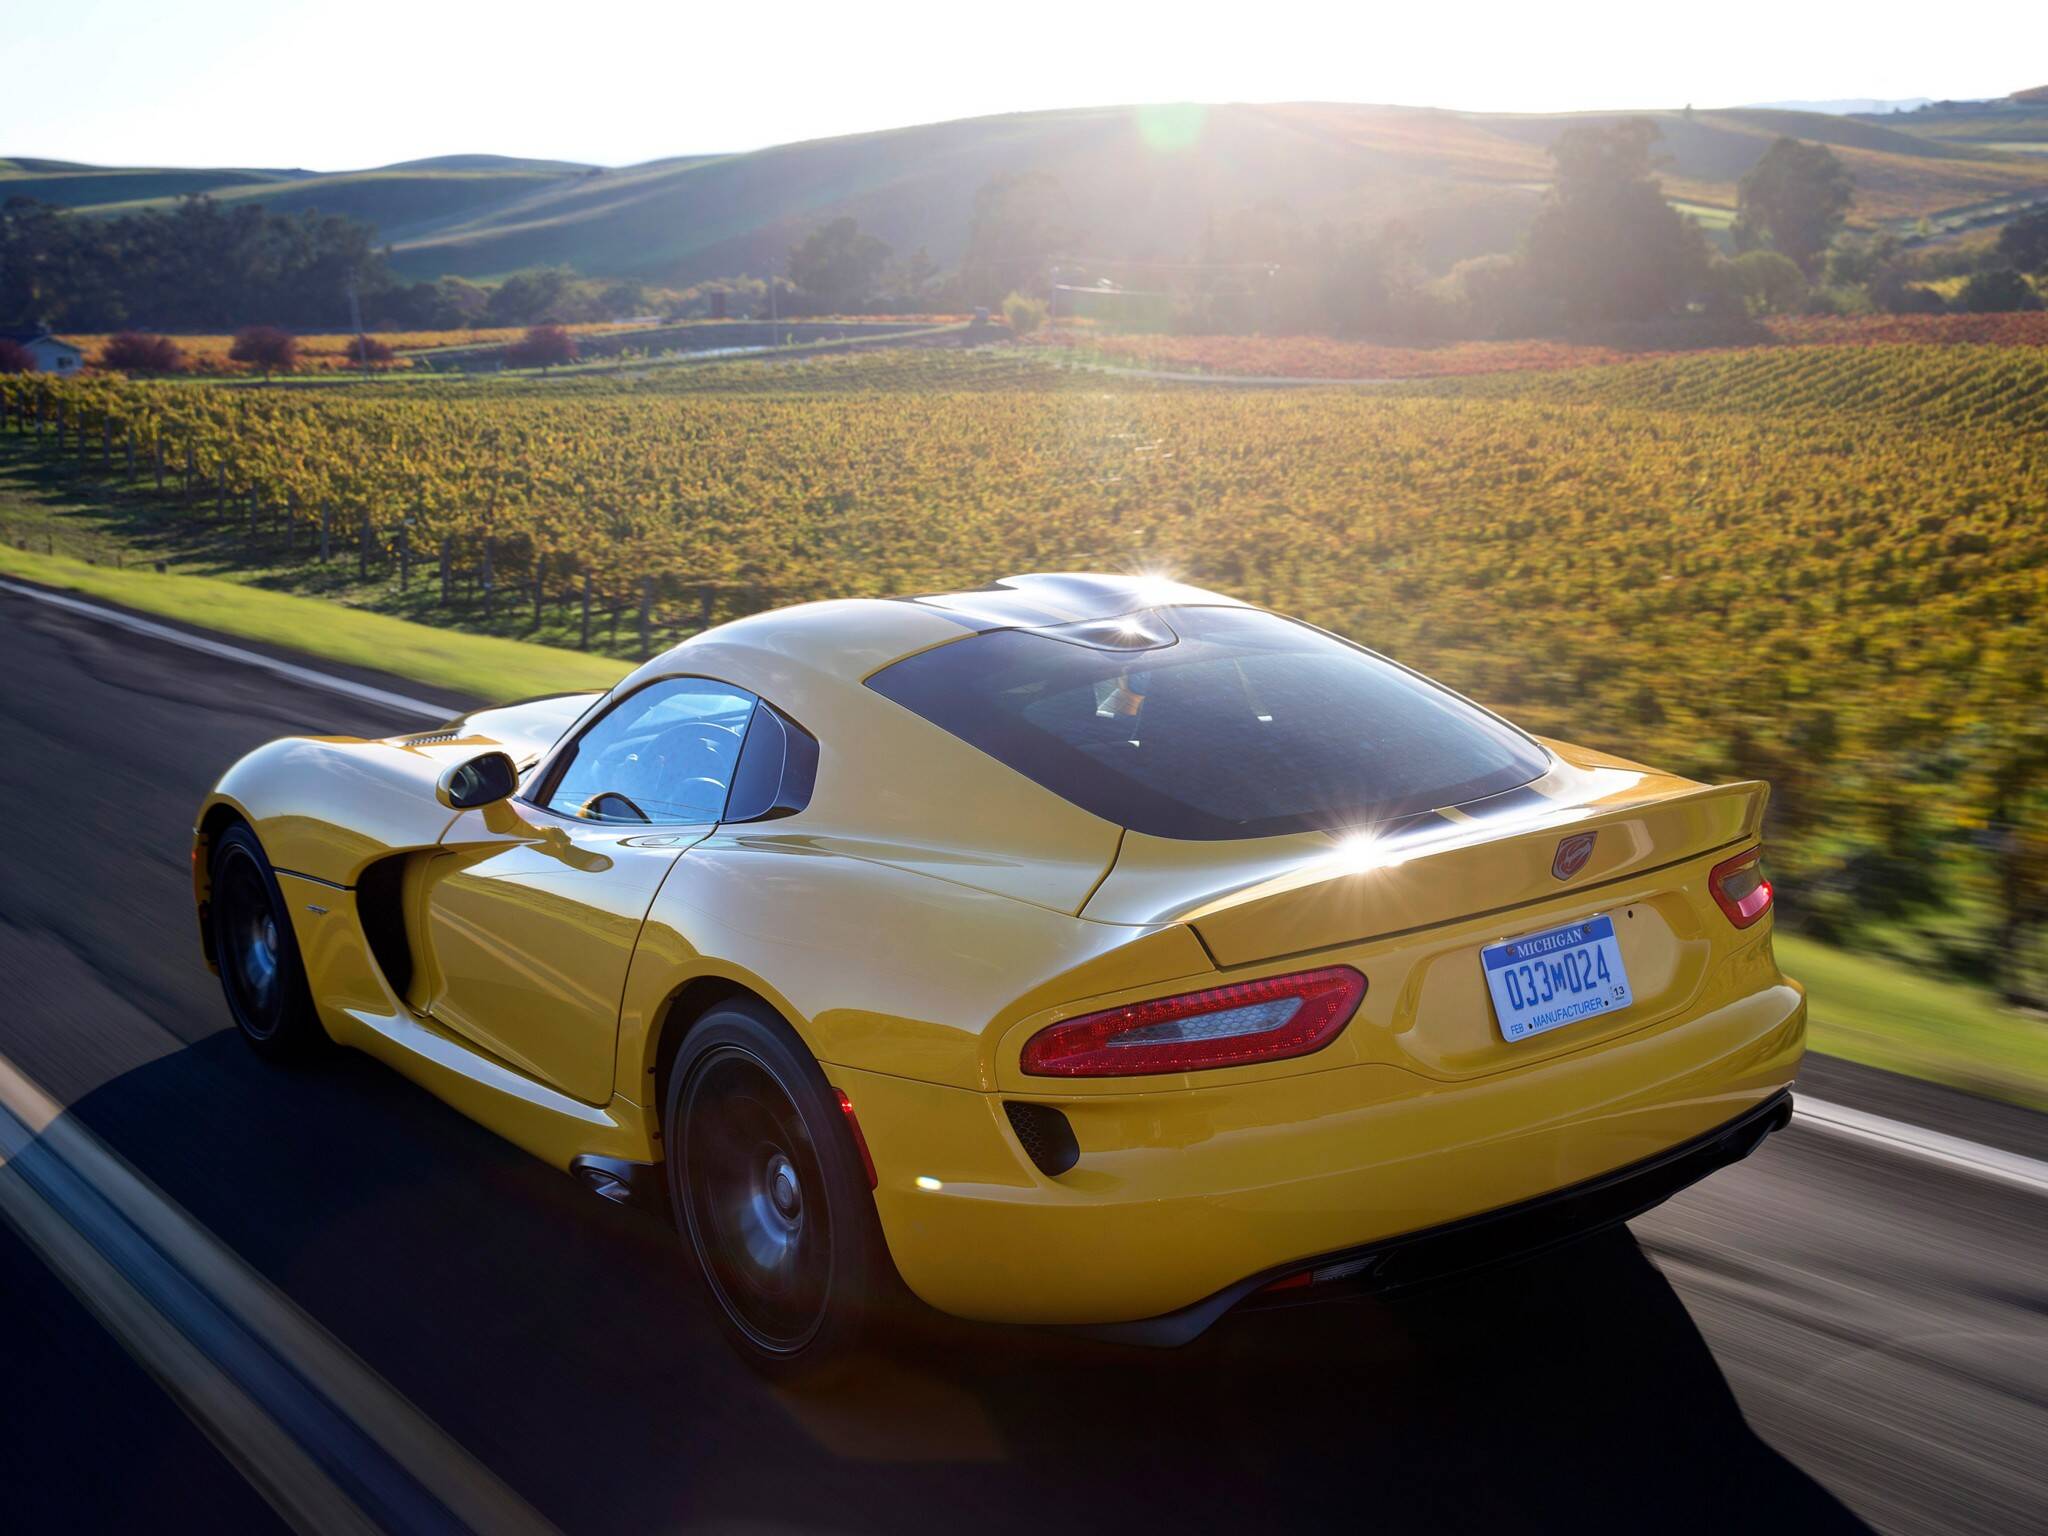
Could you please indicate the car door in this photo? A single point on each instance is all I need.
(532, 908)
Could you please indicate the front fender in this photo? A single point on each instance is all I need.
(327, 806)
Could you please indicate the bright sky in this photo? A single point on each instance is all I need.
(343, 85)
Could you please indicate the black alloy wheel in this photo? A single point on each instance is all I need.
(772, 1194)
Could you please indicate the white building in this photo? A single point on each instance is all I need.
(52, 354)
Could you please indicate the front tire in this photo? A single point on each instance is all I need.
(257, 953)
(772, 1195)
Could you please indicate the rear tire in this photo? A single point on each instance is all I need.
(257, 953)
(772, 1195)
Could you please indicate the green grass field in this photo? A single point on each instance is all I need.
(1885, 1014)
(483, 666)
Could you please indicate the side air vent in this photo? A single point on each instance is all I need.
(431, 738)
(381, 908)
(1046, 1137)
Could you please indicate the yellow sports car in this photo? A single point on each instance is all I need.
(1082, 950)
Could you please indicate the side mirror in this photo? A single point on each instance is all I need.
(485, 779)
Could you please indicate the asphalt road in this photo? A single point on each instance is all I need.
(1829, 1337)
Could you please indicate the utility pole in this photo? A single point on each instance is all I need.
(355, 315)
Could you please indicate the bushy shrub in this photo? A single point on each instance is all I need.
(1768, 283)
(1024, 313)
(1995, 291)
(138, 352)
(368, 349)
(1895, 293)
(14, 357)
(266, 349)
(544, 346)
(1838, 301)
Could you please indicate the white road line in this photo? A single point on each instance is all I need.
(164, 1343)
(312, 679)
(1913, 1141)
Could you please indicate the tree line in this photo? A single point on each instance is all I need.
(1606, 247)
(197, 266)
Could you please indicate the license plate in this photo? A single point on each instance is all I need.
(1543, 981)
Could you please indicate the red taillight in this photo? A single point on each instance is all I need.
(1251, 1021)
(853, 1125)
(1740, 888)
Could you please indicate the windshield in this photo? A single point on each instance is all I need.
(1213, 723)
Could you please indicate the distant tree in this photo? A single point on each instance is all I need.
(1025, 313)
(623, 300)
(1496, 296)
(14, 357)
(1019, 224)
(537, 296)
(1894, 291)
(447, 305)
(136, 352)
(266, 349)
(544, 346)
(1860, 260)
(1794, 200)
(906, 283)
(460, 303)
(837, 266)
(1606, 245)
(1995, 291)
(1768, 283)
(368, 349)
(2024, 242)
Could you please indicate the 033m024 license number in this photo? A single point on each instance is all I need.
(1545, 980)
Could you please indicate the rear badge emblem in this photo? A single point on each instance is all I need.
(1572, 854)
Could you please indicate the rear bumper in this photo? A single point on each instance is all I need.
(1186, 1195)
(1493, 1237)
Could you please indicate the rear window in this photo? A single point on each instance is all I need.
(1213, 723)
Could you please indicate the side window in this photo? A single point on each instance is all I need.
(778, 767)
(665, 754)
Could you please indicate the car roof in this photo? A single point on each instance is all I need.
(853, 637)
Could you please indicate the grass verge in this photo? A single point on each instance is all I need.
(1868, 1009)
(484, 666)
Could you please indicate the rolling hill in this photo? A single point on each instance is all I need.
(405, 200)
(1139, 183)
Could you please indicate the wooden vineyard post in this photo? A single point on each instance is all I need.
(252, 525)
(704, 600)
(646, 617)
(446, 576)
(190, 468)
(540, 564)
(584, 644)
(326, 531)
(405, 554)
(363, 549)
(156, 458)
(131, 455)
(490, 563)
(106, 440)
